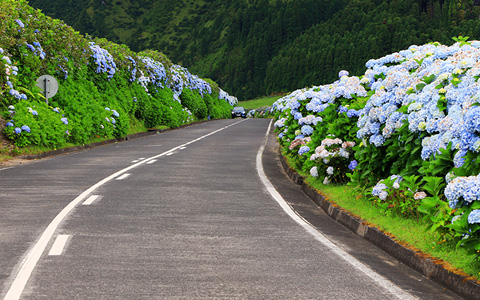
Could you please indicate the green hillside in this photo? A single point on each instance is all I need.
(258, 47)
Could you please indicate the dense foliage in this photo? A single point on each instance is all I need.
(406, 133)
(104, 87)
(255, 48)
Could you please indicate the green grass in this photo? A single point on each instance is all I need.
(409, 232)
(258, 103)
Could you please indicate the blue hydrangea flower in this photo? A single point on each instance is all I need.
(9, 124)
(64, 120)
(20, 23)
(474, 216)
(352, 165)
(303, 150)
(307, 130)
(18, 130)
(25, 128)
(342, 73)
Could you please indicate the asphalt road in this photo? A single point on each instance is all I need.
(186, 214)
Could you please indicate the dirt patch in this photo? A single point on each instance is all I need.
(14, 162)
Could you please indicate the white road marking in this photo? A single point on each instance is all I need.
(171, 153)
(59, 244)
(135, 161)
(379, 279)
(33, 255)
(181, 148)
(90, 199)
(123, 176)
(151, 162)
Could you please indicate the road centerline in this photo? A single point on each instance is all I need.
(59, 245)
(34, 254)
(91, 199)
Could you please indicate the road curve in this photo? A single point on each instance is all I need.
(180, 215)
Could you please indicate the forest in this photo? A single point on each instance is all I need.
(260, 47)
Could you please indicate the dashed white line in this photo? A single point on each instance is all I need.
(59, 245)
(171, 153)
(123, 176)
(377, 278)
(33, 255)
(90, 199)
(151, 162)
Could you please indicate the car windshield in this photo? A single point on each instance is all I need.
(238, 109)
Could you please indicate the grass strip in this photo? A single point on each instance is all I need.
(409, 232)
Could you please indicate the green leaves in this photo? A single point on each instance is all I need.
(462, 40)
(426, 80)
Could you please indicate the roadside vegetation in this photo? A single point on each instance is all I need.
(402, 140)
(105, 90)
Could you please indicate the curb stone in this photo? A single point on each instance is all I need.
(427, 266)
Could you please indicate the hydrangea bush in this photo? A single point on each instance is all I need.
(93, 74)
(412, 113)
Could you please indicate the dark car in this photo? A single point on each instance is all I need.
(239, 111)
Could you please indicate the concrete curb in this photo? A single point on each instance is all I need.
(427, 266)
(106, 142)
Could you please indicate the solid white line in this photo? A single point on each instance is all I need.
(33, 255)
(379, 279)
(59, 244)
(123, 176)
(90, 199)
(151, 162)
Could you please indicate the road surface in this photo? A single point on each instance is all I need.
(202, 212)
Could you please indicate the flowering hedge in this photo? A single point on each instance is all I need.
(414, 121)
(104, 87)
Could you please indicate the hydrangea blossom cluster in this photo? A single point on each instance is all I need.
(112, 119)
(333, 156)
(182, 77)
(11, 123)
(37, 50)
(319, 97)
(190, 115)
(305, 105)
(463, 191)
(330, 148)
(11, 71)
(133, 69)
(380, 190)
(442, 74)
(232, 100)
(104, 60)
(299, 142)
(157, 74)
